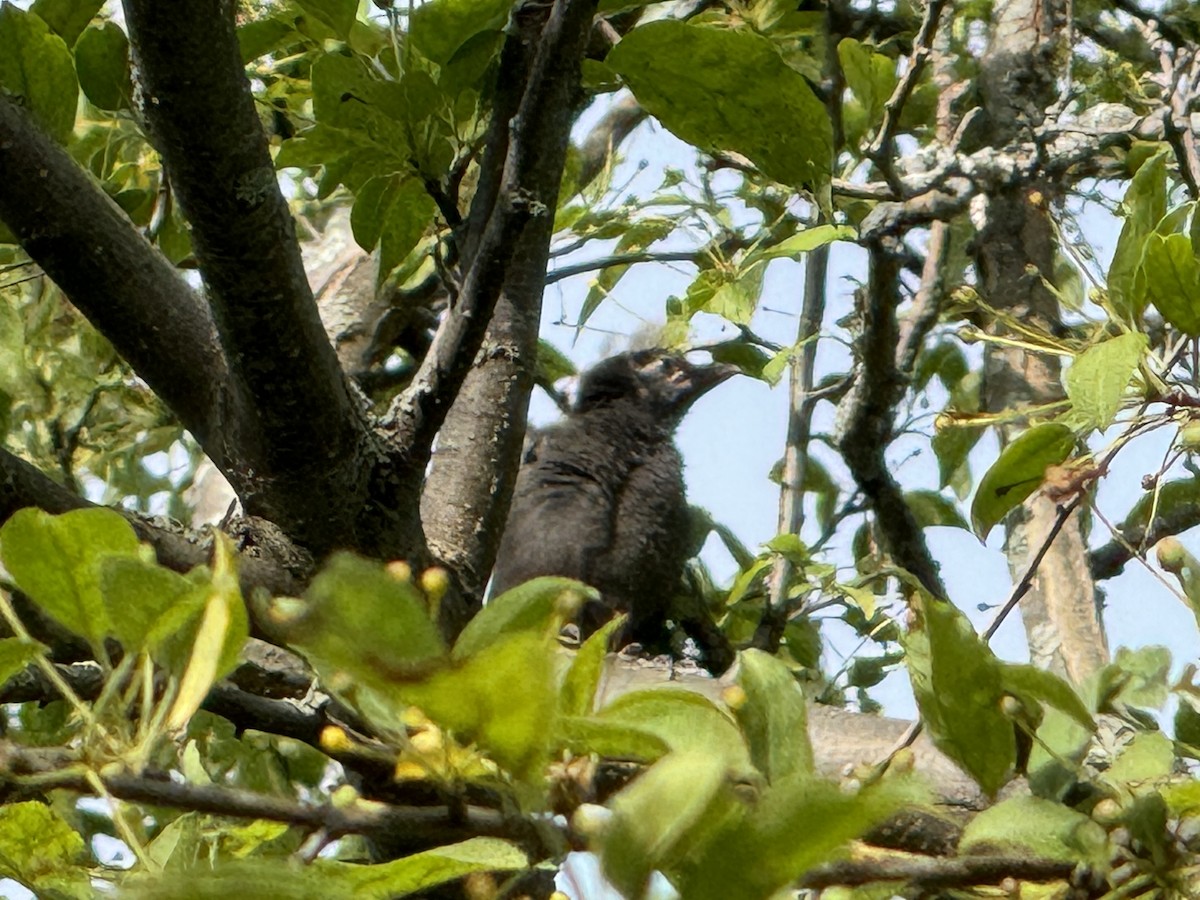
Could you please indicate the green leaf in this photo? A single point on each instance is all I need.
(870, 76)
(611, 740)
(1149, 756)
(1018, 472)
(16, 654)
(1169, 500)
(1173, 280)
(102, 61)
(957, 683)
(747, 357)
(337, 14)
(578, 694)
(223, 631)
(262, 36)
(1138, 678)
(1144, 205)
(534, 606)
(721, 89)
(440, 27)
(1035, 827)
(657, 817)
(503, 697)
(41, 851)
(797, 823)
(637, 236)
(774, 717)
(684, 719)
(1030, 682)
(802, 242)
(288, 879)
(67, 18)
(393, 211)
(952, 446)
(1187, 725)
(37, 70)
(552, 364)
(138, 594)
(1097, 380)
(365, 622)
(931, 508)
(56, 561)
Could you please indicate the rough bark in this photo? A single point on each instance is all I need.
(1017, 84)
(128, 290)
(301, 437)
(470, 485)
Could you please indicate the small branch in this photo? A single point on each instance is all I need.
(413, 826)
(882, 149)
(801, 405)
(1021, 588)
(623, 259)
(924, 873)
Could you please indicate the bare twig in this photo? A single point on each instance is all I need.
(925, 873)
(623, 259)
(882, 149)
(427, 826)
(801, 374)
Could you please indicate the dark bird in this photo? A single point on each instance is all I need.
(600, 496)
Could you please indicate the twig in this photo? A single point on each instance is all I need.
(623, 259)
(427, 825)
(882, 149)
(802, 372)
(921, 872)
(1021, 588)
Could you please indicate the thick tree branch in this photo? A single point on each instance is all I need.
(539, 135)
(469, 487)
(110, 272)
(22, 485)
(304, 440)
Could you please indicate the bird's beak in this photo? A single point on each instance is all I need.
(693, 382)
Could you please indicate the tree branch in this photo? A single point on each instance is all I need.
(469, 487)
(924, 873)
(414, 827)
(801, 405)
(304, 440)
(869, 409)
(110, 272)
(22, 485)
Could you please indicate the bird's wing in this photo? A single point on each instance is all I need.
(560, 522)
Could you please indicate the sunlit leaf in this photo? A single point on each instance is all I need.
(957, 682)
(1032, 826)
(1018, 472)
(36, 68)
(722, 89)
(56, 561)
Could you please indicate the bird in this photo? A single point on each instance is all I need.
(600, 494)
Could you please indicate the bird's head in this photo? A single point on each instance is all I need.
(660, 382)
